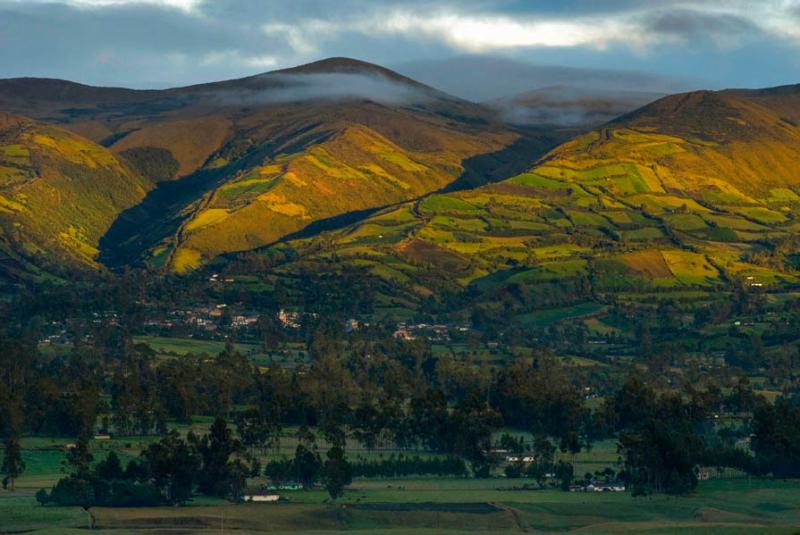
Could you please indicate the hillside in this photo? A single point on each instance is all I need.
(244, 163)
(197, 121)
(59, 193)
(694, 191)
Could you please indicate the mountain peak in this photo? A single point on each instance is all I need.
(343, 65)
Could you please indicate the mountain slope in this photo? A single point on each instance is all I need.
(59, 193)
(354, 168)
(196, 121)
(244, 163)
(695, 190)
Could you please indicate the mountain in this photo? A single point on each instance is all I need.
(569, 106)
(59, 194)
(693, 191)
(240, 164)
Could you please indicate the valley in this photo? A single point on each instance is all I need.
(378, 306)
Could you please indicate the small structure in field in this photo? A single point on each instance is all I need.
(261, 497)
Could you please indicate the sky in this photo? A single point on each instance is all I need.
(164, 43)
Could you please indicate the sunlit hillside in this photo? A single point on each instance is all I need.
(59, 193)
(694, 191)
(355, 168)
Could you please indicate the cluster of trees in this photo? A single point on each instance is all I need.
(377, 390)
(169, 471)
(307, 467)
(664, 436)
(173, 470)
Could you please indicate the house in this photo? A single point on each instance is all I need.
(526, 459)
(290, 320)
(402, 332)
(604, 487)
(243, 322)
(289, 485)
(260, 497)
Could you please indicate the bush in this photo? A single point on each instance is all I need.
(42, 497)
(73, 491)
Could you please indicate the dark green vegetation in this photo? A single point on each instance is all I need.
(367, 409)
(396, 314)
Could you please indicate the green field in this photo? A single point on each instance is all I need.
(412, 505)
(422, 506)
(169, 347)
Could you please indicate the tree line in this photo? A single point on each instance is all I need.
(376, 392)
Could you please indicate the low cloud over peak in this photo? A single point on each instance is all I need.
(282, 88)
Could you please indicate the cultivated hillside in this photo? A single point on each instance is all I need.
(59, 193)
(693, 191)
(258, 159)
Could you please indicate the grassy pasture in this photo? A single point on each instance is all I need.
(543, 318)
(425, 506)
(181, 346)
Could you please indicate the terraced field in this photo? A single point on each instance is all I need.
(355, 169)
(626, 206)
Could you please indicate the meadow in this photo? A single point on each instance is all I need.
(425, 506)
(413, 505)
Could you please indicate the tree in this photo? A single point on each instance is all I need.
(78, 457)
(73, 491)
(337, 472)
(279, 471)
(776, 440)
(110, 468)
(218, 476)
(571, 443)
(13, 465)
(173, 464)
(42, 497)
(659, 458)
(470, 432)
(544, 450)
(564, 472)
(306, 466)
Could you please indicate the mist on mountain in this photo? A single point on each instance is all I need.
(298, 88)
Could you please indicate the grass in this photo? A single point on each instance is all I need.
(427, 506)
(181, 346)
(414, 505)
(543, 318)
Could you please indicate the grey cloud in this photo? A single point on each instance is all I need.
(140, 44)
(146, 45)
(693, 25)
(571, 105)
(292, 88)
